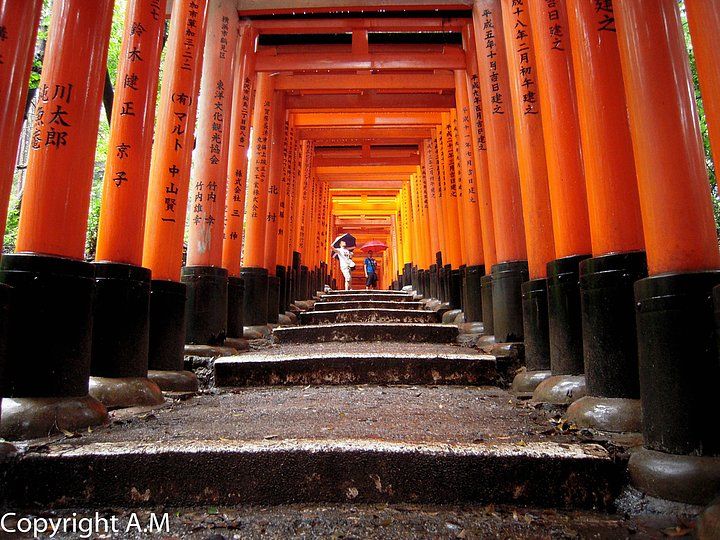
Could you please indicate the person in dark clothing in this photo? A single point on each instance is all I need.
(371, 278)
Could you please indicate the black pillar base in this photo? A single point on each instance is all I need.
(303, 291)
(463, 287)
(236, 291)
(535, 325)
(5, 301)
(678, 362)
(282, 288)
(121, 324)
(290, 287)
(52, 297)
(167, 325)
(255, 299)
(473, 307)
(206, 306)
(273, 307)
(507, 279)
(608, 323)
(420, 282)
(564, 315)
(455, 289)
(487, 303)
(433, 281)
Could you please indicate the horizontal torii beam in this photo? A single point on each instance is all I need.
(343, 25)
(450, 58)
(442, 80)
(365, 132)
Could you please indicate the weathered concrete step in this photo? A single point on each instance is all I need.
(341, 292)
(229, 472)
(365, 296)
(412, 333)
(355, 367)
(366, 315)
(361, 304)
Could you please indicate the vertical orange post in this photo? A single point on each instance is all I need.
(122, 215)
(174, 137)
(19, 21)
(48, 269)
(502, 160)
(529, 139)
(254, 273)
(674, 317)
(54, 221)
(556, 89)
(210, 157)
(511, 269)
(472, 225)
(606, 280)
(704, 19)
(121, 336)
(459, 175)
(479, 142)
(242, 106)
(168, 192)
(449, 192)
(435, 195)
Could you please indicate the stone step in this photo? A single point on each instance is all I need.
(366, 315)
(193, 472)
(365, 296)
(350, 363)
(362, 304)
(295, 445)
(340, 292)
(403, 332)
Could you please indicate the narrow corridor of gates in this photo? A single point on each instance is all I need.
(417, 251)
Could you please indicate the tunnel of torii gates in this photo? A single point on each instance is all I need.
(538, 164)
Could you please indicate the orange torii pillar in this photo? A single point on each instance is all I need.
(511, 269)
(417, 229)
(168, 193)
(304, 180)
(460, 190)
(206, 308)
(45, 389)
(293, 186)
(426, 155)
(121, 324)
(429, 234)
(282, 263)
(537, 215)
(678, 360)
(253, 271)
(20, 21)
(278, 140)
(453, 236)
(472, 228)
(242, 105)
(606, 280)
(547, 22)
(482, 178)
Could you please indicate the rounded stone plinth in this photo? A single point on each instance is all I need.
(450, 316)
(708, 524)
(618, 415)
(30, 418)
(560, 389)
(284, 319)
(526, 382)
(460, 319)
(682, 478)
(263, 330)
(119, 392)
(237, 343)
(471, 328)
(174, 381)
(210, 351)
(292, 316)
(7, 451)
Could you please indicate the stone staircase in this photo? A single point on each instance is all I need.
(368, 400)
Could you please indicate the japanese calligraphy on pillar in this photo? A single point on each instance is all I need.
(466, 153)
(497, 98)
(478, 112)
(523, 50)
(606, 17)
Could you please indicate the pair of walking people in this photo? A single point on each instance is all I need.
(347, 264)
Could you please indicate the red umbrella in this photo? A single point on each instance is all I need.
(374, 246)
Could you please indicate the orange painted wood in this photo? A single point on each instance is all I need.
(529, 140)
(431, 199)
(257, 182)
(303, 180)
(479, 142)
(459, 175)
(496, 103)
(450, 193)
(437, 177)
(19, 21)
(53, 218)
(283, 215)
(611, 183)
(125, 185)
(471, 225)
(675, 201)
(563, 152)
(278, 139)
(174, 138)
(209, 180)
(242, 107)
(704, 19)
